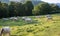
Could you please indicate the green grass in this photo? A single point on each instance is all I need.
(41, 27)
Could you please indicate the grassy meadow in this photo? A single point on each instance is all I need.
(40, 26)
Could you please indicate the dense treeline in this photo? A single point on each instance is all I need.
(26, 9)
(45, 8)
(16, 9)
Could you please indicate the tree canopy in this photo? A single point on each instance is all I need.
(26, 9)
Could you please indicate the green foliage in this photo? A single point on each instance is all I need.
(55, 8)
(16, 9)
(3, 10)
(12, 9)
(42, 8)
(27, 9)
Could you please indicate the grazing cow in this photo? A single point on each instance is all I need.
(23, 18)
(18, 17)
(28, 20)
(5, 19)
(11, 18)
(49, 17)
(14, 18)
(38, 16)
(5, 30)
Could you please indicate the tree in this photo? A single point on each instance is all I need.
(12, 9)
(3, 10)
(21, 10)
(0, 10)
(28, 8)
(42, 8)
(36, 11)
(55, 8)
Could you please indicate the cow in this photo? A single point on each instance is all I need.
(5, 30)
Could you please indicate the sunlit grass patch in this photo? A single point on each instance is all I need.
(41, 27)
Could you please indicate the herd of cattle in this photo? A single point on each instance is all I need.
(25, 18)
(6, 29)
